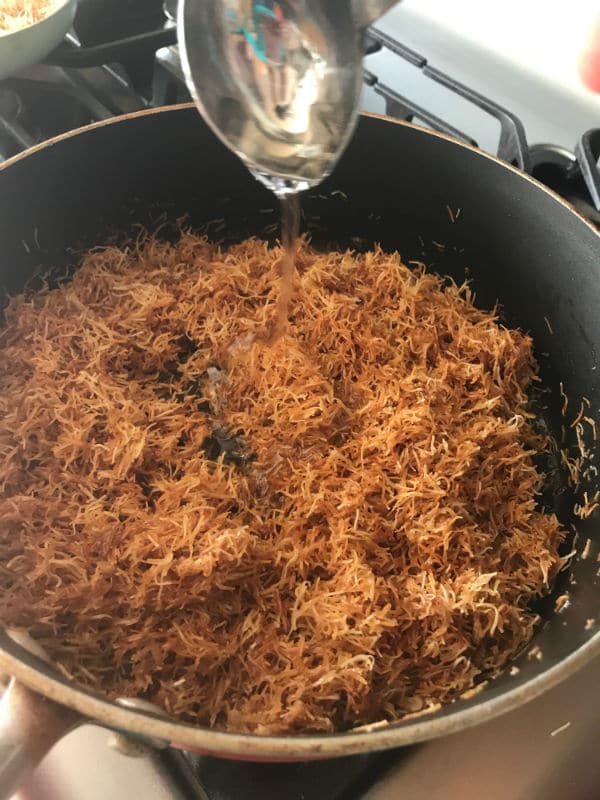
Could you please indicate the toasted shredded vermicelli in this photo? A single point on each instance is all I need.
(17, 14)
(334, 530)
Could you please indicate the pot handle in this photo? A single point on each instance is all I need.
(142, 44)
(29, 726)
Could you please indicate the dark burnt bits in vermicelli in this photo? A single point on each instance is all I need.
(332, 530)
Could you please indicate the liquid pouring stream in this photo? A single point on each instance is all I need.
(279, 82)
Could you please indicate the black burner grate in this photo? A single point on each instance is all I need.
(512, 146)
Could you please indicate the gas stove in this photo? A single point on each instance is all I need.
(122, 56)
(437, 64)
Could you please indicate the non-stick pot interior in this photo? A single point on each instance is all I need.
(462, 214)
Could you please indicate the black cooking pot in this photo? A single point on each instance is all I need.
(461, 212)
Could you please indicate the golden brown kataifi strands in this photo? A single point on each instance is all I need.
(369, 547)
